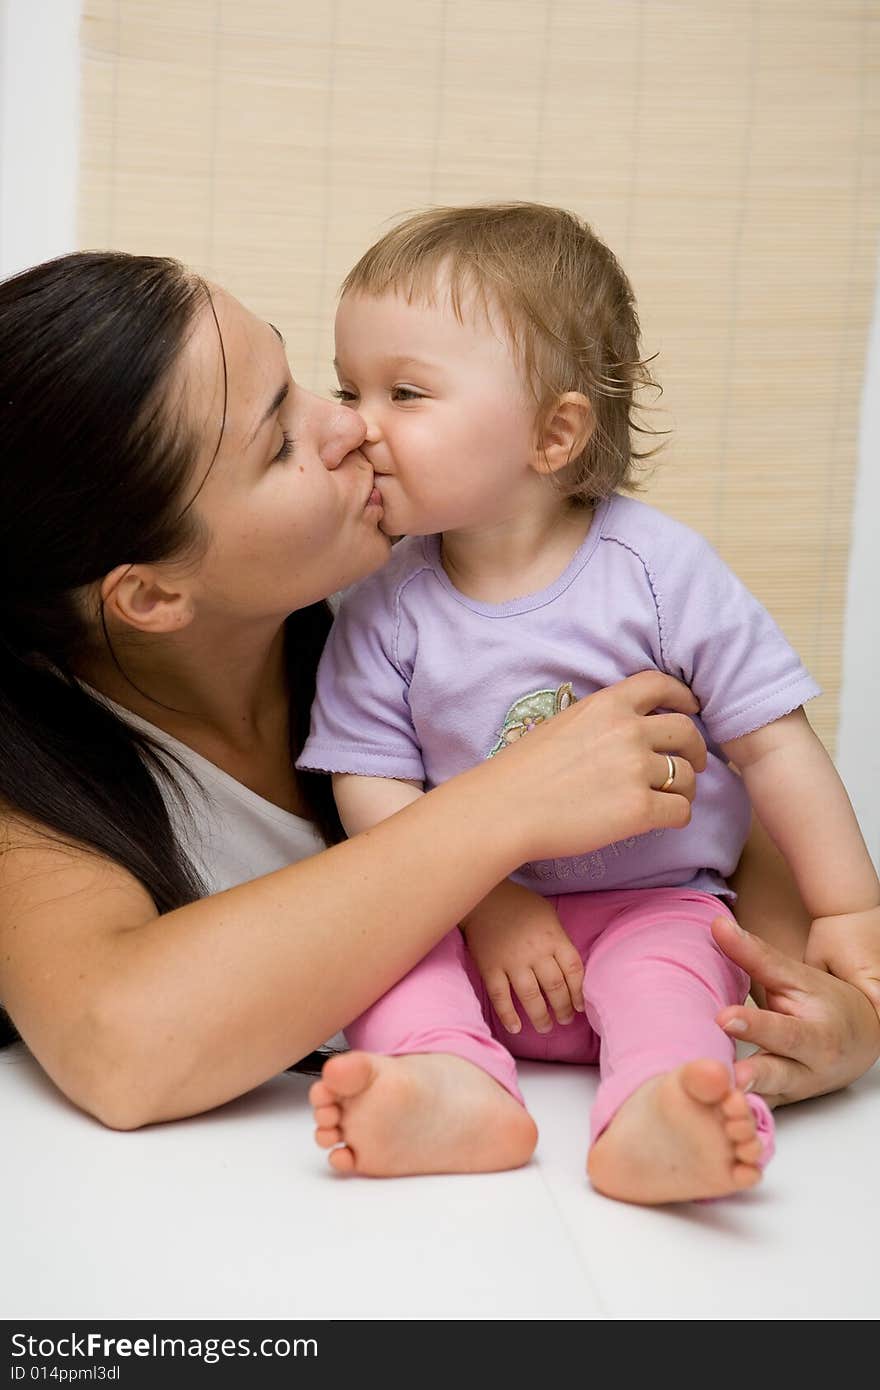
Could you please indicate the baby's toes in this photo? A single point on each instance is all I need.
(740, 1131)
(342, 1160)
(749, 1152)
(745, 1175)
(330, 1117)
(735, 1106)
(326, 1138)
(320, 1094)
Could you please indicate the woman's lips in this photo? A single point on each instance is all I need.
(374, 498)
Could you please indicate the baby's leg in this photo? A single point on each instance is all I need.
(668, 1124)
(428, 1090)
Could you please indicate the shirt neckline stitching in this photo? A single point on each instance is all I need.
(528, 602)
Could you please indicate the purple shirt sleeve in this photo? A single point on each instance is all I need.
(360, 718)
(718, 639)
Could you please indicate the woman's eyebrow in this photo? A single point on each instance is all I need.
(274, 405)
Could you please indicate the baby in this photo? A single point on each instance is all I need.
(493, 353)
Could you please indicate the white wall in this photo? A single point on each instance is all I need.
(39, 118)
(858, 751)
(39, 95)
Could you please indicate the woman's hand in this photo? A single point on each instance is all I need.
(592, 775)
(817, 1034)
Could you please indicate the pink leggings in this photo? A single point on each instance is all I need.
(654, 981)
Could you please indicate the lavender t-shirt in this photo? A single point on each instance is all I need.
(419, 681)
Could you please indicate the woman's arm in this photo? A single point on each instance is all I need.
(140, 1017)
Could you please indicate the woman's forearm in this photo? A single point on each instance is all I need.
(145, 1017)
(219, 995)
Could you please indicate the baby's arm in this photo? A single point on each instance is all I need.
(363, 801)
(514, 935)
(520, 947)
(799, 797)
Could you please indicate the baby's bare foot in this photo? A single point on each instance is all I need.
(687, 1135)
(388, 1117)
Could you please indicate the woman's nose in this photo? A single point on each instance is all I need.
(345, 432)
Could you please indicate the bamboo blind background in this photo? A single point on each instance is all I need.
(727, 152)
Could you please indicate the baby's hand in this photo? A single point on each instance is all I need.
(517, 942)
(848, 946)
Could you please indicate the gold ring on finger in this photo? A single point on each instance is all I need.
(670, 763)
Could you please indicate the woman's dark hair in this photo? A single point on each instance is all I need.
(94, 473)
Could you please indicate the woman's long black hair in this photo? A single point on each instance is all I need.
(94, 473)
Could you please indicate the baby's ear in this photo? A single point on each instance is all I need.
(565, 432)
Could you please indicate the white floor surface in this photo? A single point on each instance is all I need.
(235, 1215)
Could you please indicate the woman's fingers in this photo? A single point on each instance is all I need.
(588, 775)
(775, 1071)
(821, 1034)
(674, 780)
(762, 962)
(780, 1033)
(676, 733)
(779, 1080)
(674, 775)
(668, 811)
(650, 690)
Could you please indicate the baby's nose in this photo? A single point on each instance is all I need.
(371, 427)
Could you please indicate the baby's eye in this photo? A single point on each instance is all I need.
(406, 393)
(340, 394)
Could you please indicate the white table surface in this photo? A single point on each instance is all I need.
(235, 1215)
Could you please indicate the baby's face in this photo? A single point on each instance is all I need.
(450, 419)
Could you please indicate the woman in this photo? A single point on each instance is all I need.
(174, 510)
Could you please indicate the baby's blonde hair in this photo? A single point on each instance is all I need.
(566, 303)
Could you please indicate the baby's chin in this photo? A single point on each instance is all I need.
(411, 521)
(395, 532)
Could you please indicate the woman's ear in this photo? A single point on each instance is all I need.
(134, 596)
(565, 432)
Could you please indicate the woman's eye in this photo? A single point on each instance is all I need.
(286, 448)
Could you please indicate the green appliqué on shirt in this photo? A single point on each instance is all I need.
(531, 710)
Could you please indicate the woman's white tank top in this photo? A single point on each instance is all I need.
(229, 833)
